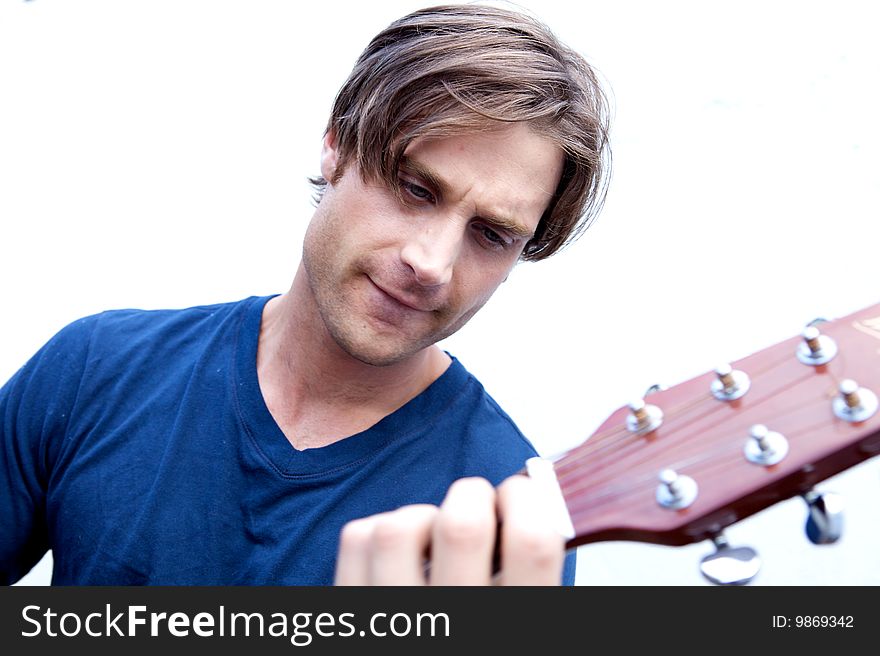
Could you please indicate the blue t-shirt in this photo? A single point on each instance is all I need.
(138, 447)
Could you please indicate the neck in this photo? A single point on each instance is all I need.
(316, 391)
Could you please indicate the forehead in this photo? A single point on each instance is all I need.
(512, 170)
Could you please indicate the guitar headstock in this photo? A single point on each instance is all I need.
(690, 460)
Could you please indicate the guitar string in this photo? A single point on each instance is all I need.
(672, 443)
(696, 465)
(624, 442)
(734, 442)
(672, 447)
(701, 473)
(611, 439)
(599, 468)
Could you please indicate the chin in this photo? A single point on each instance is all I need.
(378, 357)
(377, 352)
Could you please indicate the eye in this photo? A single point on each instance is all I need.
(416, 191)
(490, 238)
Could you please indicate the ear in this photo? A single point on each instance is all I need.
(329, 156)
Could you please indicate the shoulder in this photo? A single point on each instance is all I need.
(486, 410)
(122, 330)
(490, 434)
(169, 318)
(124, 339)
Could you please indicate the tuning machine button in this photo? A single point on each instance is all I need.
(676, 491)
(730, 565)
(731, 383)
(825, 517)
(854, 403)
(816, 348)
(765, 447)
(643, 418)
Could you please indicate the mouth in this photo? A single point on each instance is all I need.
(400, 299)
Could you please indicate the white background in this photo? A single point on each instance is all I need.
(154, 153)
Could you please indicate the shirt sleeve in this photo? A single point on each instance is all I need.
(569, 570)
(35, 409)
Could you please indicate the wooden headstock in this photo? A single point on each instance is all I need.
(610, 482)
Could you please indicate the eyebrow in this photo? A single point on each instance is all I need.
(442, 188)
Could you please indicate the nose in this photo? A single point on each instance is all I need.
(431, 252)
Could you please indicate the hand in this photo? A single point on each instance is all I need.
(392, 548)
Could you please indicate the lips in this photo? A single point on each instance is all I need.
(402, 299)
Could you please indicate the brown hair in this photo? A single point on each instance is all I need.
(454, 69)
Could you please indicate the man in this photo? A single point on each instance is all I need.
(235, 443)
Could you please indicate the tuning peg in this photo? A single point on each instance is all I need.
(816, 348)
(730, 383)
(643, 418)
(854, 403)
(825, 518)
(765, 447)
(675, 490)
(730, 565)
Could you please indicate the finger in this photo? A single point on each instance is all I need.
(398, 545)
(532, 550)
(353, 561)
(464, 534)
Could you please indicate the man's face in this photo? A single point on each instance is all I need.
(392, 277)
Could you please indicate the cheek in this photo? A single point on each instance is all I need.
(478, 282)
(333, 230)
(366, 225)
(316, 243)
